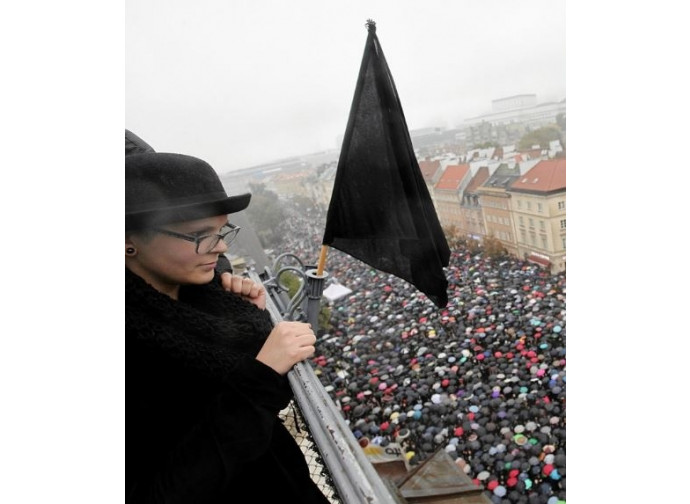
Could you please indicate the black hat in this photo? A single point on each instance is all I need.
(135, 145)
(163, 188)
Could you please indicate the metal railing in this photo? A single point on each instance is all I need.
(353, 475)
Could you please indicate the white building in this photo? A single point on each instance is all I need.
(520, 109)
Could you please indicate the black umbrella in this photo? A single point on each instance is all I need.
(545, 488)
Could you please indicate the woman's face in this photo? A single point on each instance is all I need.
(166, 262)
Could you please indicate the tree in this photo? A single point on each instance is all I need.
(265, 215)
(560, 120)
(451, 231)
(493, 247)
(473, 246)
(301, 203)
(542, 137)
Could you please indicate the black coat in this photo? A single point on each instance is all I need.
(202, 424)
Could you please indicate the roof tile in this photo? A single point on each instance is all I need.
(452, 177)
(546, 176)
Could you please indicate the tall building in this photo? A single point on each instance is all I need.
(495, 203)
(538, 205)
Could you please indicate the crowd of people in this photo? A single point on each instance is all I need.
(483, 378)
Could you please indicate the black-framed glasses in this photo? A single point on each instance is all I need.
(206, 243)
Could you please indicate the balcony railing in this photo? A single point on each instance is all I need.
(355, 479)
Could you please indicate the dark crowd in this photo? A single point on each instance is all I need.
(483, 379)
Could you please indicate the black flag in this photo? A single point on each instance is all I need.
(380, 210)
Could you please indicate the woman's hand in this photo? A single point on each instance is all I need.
(246, 288)
(287, 344)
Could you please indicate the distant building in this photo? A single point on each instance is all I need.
(434, 141)
(538, 205)
(510, 119)
(431, 172)
(516, 197)
(513, 103)
(471, 216)
(448, 191)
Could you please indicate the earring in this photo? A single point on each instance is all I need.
(130, 251)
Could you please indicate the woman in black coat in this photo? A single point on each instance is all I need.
(205, 368)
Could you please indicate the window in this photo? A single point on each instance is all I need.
(531, 222)
(563, 242)
(523, 236)
(529, 205)
(533, 238)
(543, 242)
(563, 224)
(561, 205)
(539, 208)
(519, 203)
(542, 226)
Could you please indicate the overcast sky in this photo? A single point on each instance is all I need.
(240, 83)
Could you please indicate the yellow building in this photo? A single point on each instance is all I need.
(494, 200)
(538, 205)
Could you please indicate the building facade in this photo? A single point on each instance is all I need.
(496, 208)
(471, 216)
(431, 172)
(539, 207)
(448, 192)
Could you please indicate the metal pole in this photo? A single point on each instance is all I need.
(315, 284)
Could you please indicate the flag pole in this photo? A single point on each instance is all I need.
(316, 278)
(322, 260)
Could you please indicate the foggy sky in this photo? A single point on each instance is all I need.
(240, 83)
